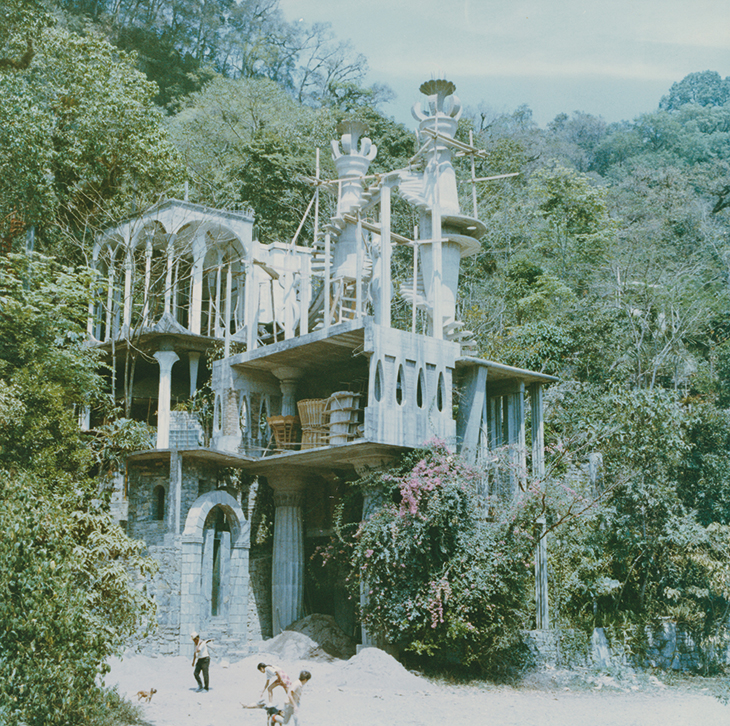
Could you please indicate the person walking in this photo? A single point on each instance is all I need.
(291, 708)
(201, 660)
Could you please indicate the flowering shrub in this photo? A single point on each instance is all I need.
(440, 579)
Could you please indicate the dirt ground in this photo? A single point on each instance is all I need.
(372, 688)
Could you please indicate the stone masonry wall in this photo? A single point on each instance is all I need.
(165, 589)
(142, 481)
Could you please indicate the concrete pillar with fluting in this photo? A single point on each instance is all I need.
(287, 571)
(166, 359)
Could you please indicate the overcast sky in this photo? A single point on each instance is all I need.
(614, 58)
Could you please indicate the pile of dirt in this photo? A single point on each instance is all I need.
(373, 668)
(316, 637)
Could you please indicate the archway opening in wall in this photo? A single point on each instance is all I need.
(217, 523)
(158, 503)
(440, 393)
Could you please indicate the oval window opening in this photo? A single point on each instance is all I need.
(419, 389)
(440, 393)
(400, 386)
(378, 385)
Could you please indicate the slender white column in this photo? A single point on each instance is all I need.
(147, 279)
(217, 306)
(287, 576)
(327, 280)
(358, 269)
(128, 267)
(305, 294)
(109, 298)
(229, 291)
(196, 294)
(385, 256)
(207, 572)
(542, 612)
(251, 308)
(194, 362)
(438, 315)
(168, 273)
(166, 359)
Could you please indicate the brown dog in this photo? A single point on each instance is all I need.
(146, 695)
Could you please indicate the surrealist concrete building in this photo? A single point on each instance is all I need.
(312, 384)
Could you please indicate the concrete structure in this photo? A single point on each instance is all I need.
(315, 385)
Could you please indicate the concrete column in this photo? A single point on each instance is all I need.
(471, 408)
(194, 362)
(166, 359)
(224, 582)
(542, 613)
(174, 494)
(239, 590)
(227, 314)
(369, 507)
(109, 297)
(207, 574)
(385, 283)
(147, 280)
(305, 291)
(128, 267)
(288, 397)
(196, 296)
(288, 379)
(251, 307)
(168, 273)
(287, 577)
(192, 550)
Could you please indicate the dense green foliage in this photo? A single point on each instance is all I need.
(439, 579)
(606, 263)
(80, 141)
(67, 600)
(180, 45)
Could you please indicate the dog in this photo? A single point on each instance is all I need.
(146, 695)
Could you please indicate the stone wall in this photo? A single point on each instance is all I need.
(141, 482)
(165, 590)
(558, 648)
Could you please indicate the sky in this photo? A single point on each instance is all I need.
(610, 58)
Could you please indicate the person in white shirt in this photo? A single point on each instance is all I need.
(202, 656)
(291, 708)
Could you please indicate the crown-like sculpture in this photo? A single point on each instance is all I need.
(352, 162)
(441, 116)
(442, 103)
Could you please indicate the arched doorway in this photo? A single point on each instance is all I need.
(215, 578)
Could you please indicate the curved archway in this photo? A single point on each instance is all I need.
(214, 584)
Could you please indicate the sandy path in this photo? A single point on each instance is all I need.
(370, 690)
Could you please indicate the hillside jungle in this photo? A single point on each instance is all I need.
(606, 263)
